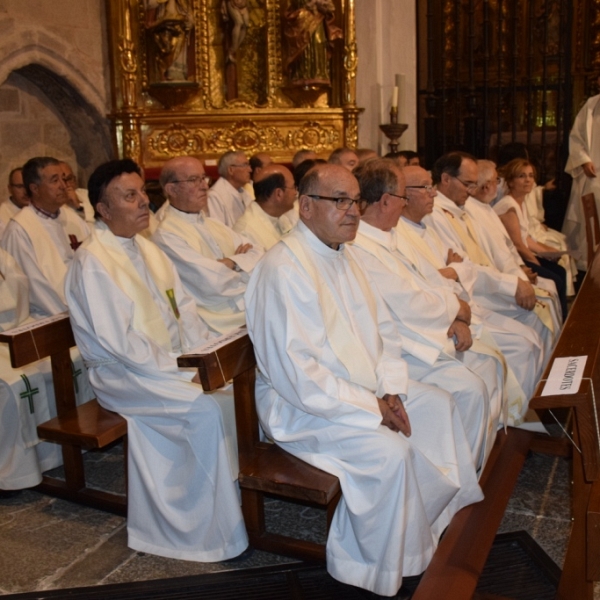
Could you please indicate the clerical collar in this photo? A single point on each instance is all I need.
(420, 225)
(187, 212)
(45, 213)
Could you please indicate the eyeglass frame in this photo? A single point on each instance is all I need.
(467, 186)
(398, 196)
(339, 202)
(196, 179)
(427, 188)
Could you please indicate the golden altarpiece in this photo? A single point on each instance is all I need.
(200, 77)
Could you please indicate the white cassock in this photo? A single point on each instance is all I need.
(489, 287)
(534, 202)
(26, 394)
(520, 344)
(43, 248)
(423, 315)
(326, 348)
(195, 244)
(8, 209)
(87, 214)
(584, 146)
(225, 203)
(263, 229)
(131, 320)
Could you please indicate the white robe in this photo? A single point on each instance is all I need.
(225, 203)
(423, 315)
(181, 494)
(263, 229)
(398, 492)
(489, 287)
(520, 344)
(584, 147)
(217, 289)
(46, 296)
(27, 393)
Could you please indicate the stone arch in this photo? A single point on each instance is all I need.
(55, 68)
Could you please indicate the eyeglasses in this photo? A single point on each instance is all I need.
(467, 185)
(243, 165)
(398, 196)
(20, 186)
(343, 203)
(195, 180)
(427, 188)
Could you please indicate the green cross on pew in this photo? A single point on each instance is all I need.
(29, 392)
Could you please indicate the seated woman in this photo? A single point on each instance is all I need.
(519, 175)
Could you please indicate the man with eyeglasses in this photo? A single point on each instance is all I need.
(227, 198)
(77, 198)
(333, 390)
(213, 261)
(455, 175)
(435, 323)
(443, 268)
(131, 319)
(272, 213)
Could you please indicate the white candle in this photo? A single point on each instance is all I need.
(395, 97)
(401, 85)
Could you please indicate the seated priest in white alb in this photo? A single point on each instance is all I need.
(272, 213)
(42, 238)
(17, 198)
(26, 394)
(228, 198)
(131, 319)
(437, 342)
(333, 390)
(455, 176)
(77, 198)
(213, 261)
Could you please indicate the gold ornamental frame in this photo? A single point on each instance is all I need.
(214, 103)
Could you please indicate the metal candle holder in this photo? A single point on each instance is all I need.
(393, 130)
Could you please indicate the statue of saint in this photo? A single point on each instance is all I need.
(235, 13)
(170, 25)
(309, 31)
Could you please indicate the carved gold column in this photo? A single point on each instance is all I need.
(351, 111)
(128, 130)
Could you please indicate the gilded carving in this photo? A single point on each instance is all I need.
(175, 53)
(176, 140)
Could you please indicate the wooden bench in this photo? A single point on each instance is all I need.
(88, 426)
(581, 337)
(267, 469)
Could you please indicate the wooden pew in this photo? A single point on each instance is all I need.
(267, 469)
(88, 426)
(581, 337)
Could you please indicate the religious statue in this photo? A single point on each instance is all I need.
(170, 26)
(309, 31)
(235, 14)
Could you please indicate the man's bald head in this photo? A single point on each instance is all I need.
(420, 193)
(185, 184)
(331, 221)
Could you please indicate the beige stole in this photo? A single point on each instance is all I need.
(222, 318)
(181, 228)
(147, 318)
(468, 239)
(266, 230)
(408, 237)
(346, 346)
(48, 258)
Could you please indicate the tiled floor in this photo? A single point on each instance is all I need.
(47, 543)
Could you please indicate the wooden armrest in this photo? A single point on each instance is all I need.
(222, 361)
(37, 340)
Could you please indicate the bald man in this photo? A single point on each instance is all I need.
(213, 261)
(272, 213)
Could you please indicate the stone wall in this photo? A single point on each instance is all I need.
(54, 83)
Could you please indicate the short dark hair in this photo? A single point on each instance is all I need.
(265, 187)
(336, 155)
(408, 154)
(255, 163)
(450, 164)
(32, 170)
(304, 167)
(376, 178)
(104, 174)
